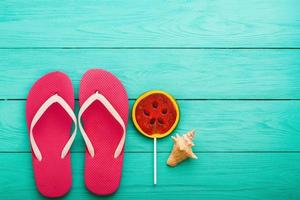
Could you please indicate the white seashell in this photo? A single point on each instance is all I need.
(182, 148)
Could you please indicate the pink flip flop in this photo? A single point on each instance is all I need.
(104, 112)
(49, 115)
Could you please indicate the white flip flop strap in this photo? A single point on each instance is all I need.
(113, 112)
(51, 100)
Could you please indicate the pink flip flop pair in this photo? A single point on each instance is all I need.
(102, 120)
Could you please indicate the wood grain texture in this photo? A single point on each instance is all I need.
(233, 64)
(212, 176)
(201, 23)
(186, 74)
(220, 126)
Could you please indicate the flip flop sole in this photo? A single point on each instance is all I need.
(52, 174)
(103, 171)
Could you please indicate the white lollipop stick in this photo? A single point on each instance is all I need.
(154, 163)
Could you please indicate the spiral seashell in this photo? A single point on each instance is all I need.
(182, 148)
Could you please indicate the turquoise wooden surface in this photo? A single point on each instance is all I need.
(185, 73)
(233, 66)
(214, 176)
(218, 23)
(230, 126)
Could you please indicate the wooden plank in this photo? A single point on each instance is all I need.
(213, 176)
(187, 74)
(220, 126)
(201, 23)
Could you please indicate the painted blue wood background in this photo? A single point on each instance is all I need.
(233, 65)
